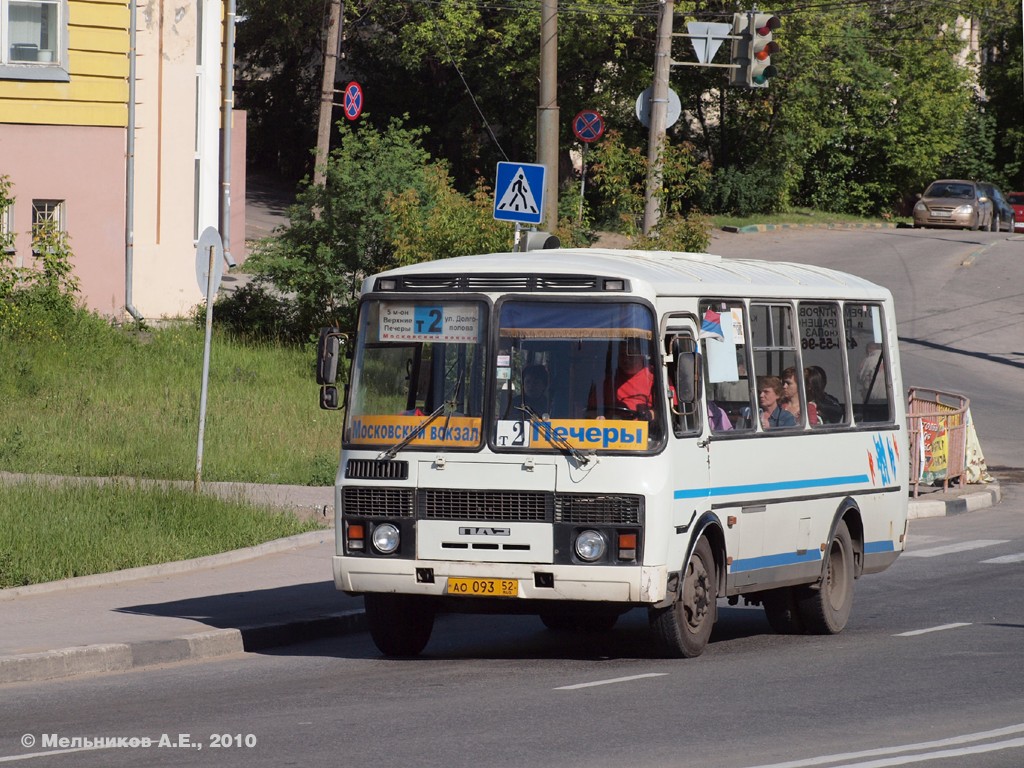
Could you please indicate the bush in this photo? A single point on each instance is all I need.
(255, 313)
(744, 192)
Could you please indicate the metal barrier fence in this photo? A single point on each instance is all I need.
(938, 436)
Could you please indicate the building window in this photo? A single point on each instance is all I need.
(7, 229)
(33, 39)
(47, 219)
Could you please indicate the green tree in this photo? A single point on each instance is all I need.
(341, 231)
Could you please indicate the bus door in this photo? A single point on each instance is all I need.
(690, 468)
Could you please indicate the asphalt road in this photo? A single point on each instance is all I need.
(928, 666)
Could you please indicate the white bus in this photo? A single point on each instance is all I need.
(575, 433)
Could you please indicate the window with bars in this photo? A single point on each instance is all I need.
(47, 218)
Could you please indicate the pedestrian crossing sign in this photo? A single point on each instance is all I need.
(519, 193)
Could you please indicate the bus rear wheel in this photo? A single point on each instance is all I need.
(782, 609)
(400, 625)
(826, 610)
(684, 628)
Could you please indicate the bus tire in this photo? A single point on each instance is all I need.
(782, 610)
(400, 625)
(826, 609)
(684, 628)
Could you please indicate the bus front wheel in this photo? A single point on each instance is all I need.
(683, 629)
(400, 625)
(825, 610)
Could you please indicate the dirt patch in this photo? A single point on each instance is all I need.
(611, 240)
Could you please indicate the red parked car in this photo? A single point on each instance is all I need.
(1016, 199)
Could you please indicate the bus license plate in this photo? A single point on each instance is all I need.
(483, 587)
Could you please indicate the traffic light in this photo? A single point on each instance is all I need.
(752, 48)
(762, 49)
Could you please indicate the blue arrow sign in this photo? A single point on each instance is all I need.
(519, 193)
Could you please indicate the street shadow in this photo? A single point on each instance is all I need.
(999, 359)
(267, 618)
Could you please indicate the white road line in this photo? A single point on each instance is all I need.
(924, 745)
(610, 682)
(30, 755)
(962, 546)
(1018, 558)
(939, 628)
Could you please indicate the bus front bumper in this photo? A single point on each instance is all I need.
(587, 583)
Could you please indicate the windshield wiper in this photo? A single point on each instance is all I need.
(390, 452)
(556, 440)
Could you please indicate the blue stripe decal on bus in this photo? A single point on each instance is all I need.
(871, 547)
(785, 485)
(774, 561)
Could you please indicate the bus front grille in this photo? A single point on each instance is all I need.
(494, 506)
(504, 506)
(594, 509)
(377, 502)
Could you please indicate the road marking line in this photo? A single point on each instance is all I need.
(925, 745)
(610, 682)
(933, 629)
(1018, 558)
(949, 549)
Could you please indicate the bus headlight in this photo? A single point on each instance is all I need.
(385, 538)
(590, 546)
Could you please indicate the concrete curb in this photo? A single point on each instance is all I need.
(777, 227)
(987, 496)
(121, 657)
(177, 566)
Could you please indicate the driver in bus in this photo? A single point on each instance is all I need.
(631, 387)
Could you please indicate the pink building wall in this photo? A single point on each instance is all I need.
(84, 167)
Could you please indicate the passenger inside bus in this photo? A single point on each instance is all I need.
(771, 413)
(791, 397)
(830, 410)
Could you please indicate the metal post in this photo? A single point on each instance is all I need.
(206, 368)
(659, 112)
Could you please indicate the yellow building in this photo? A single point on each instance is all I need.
(113, 130)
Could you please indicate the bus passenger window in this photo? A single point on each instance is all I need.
(869, 375)
(724, 349)
(821, 346)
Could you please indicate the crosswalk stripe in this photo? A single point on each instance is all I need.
(1017, 558)
(949, 549)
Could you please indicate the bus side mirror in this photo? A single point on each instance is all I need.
(329, 397)
(687, 373)
(328, 351)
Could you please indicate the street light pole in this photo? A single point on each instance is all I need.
(547, 110)
(323, 133)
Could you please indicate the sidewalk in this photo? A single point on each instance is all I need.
(271, 595)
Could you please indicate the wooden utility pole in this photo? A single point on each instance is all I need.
(323, 133)
(547, 111)
(659, 116)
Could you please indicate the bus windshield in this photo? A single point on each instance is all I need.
(418, 374)
(582, 373)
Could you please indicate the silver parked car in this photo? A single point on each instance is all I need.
(954, 203)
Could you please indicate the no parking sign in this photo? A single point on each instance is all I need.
(588, 126)
(353, 105)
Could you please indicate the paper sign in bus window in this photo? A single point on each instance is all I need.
(429, 322)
